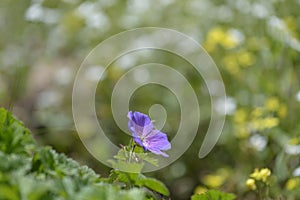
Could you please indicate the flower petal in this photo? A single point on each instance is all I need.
(139, 124)
(139, 119)
(157, 142)
(145, 135)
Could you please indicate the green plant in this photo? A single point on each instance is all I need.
(28, 171)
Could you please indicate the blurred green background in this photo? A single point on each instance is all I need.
(255, 44)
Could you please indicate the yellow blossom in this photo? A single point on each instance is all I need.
(264, 123)
(256, 174)
(240, 116)
(265, 173)
(213, 181)
(217, 179)
(250, 183)
(214, 37)
(270, 122)
(272, 104)
(257, 112)
(200, 190)
(257, 124)
(242, 132)
(261, 175)
(291, 23)
(229, 41)
(231, 64)
(216, 34)
(291, 184)
(209, 46)
(245, 58)
(293, 141)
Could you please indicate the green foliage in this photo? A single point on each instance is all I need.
(14, 138)
(39, 173)
(132, 158)
(255, 45)
(213, 195)
(134, 179)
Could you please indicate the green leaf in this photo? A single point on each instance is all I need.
(35, 173)
(14, 137)
(132, 167)
(213, 195)
(11, 162)
(138, 149)
(144, 156)
(135, 179)
(126, 160)
(122, 155)
(152, 184)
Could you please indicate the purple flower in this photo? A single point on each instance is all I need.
(144, 134)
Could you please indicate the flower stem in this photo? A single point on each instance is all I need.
(132, 146)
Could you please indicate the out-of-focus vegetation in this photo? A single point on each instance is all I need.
(255, 44)
(28, 171)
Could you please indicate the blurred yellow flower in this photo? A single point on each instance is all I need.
(257, 112)
(261, 175)
(213, 181)
(272, 104)
(214, 37)
(229, 41)
(200, 190)
(231, 64)
(270, 122)
(240, 116)
(209, 46)
(256, 124)
(260, 119)
(291, 23)
(291, 184)
(245, 58)
(217, 179)
(242, 132)
(250, 183)
(72, 22)
(294, 141)
(217, 36)
(256, 174)
(264, 123)
(265, 173)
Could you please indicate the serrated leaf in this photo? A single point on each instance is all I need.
(138, 149)
(122, 155)
(14, 137)
(49, 175)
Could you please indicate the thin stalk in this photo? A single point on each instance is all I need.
(132, 147)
